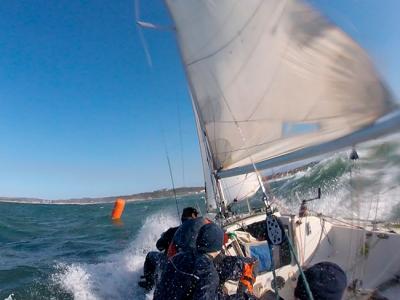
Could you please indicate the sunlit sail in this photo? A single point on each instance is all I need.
(273, 82)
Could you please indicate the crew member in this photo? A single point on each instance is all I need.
(192, 274)
(155, 258)
(185, 237)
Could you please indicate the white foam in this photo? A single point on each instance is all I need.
(347, 195)
(117, 276)
(10, 297)
(75, 279)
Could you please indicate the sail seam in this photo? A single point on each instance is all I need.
(231, 40)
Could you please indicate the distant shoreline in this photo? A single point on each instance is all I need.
(158, 194)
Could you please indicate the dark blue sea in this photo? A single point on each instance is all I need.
(77, 252)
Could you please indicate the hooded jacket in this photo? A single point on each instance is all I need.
(186, 235)
(191, 274)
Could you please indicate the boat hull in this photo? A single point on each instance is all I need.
(369, 257)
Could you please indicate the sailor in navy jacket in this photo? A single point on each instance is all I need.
(192, 274)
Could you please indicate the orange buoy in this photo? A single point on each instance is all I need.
(119, 206)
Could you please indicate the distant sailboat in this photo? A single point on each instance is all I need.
(272, 83)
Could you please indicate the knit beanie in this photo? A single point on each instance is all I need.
(327, 281)
(210, 238)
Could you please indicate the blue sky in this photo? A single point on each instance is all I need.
(81, 112)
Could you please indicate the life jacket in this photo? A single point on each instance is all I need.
(247, 280)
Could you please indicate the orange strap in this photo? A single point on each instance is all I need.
(247, 278)
(226, 238)
(171, 250)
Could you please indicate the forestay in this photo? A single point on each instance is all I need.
(235, 188)
(271, 77)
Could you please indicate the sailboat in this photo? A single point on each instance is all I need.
(273, 83)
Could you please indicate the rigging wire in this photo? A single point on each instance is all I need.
(170, 172)
(303, 276)
(268, 205)
(180, 141)
(377, 206)
(139, 25)
(172, 177)
(349, 256)
(203, 138)
(239, 186)
(266, 200)
(358, 244)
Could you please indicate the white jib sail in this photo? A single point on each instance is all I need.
(241, 187)
(270, 77)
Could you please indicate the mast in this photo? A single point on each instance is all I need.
(208, 161)
(213, 191)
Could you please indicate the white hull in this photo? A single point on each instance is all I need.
(370, 257)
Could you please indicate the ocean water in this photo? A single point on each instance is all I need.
(367, 188)
(77, 252)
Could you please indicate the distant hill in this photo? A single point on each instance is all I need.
(163, 193)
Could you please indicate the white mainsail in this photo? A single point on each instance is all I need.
(272, 77)
(272, 83)
(235, 188)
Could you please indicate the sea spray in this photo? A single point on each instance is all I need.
(368, 188)
(75, 252)
(117, 276)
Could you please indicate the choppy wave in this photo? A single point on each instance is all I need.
(368, 188)
(116, 277)
(58, 252)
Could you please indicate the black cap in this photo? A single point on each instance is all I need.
(327, 281)
(188, 212)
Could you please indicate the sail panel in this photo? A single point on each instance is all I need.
(210, 192)
(262, 71)
(240, 187)
(388, 125)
